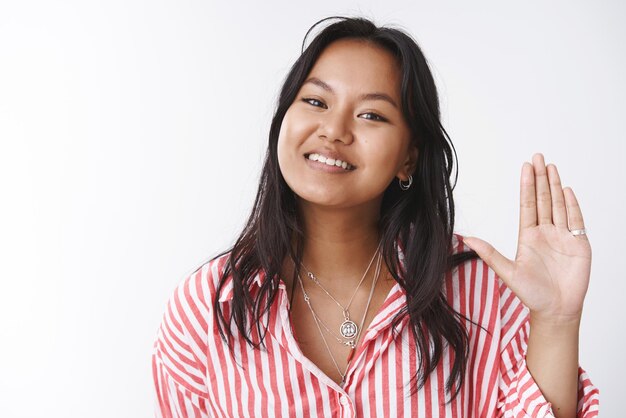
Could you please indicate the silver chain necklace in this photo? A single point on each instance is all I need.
(348, 329)
(318, 320)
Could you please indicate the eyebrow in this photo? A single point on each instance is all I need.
(365, 96)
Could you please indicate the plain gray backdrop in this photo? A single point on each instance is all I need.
(132, 135)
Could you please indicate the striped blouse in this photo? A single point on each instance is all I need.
(195, 375)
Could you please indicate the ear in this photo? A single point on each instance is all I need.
(410, 163)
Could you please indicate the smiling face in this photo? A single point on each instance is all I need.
(348, 109)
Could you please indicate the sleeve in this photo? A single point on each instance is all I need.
(518, 393)
(179, 355)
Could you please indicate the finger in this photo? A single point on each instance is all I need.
(559, 213)
(544, 200)
(499, 263)
(528, 203)
(574, 214)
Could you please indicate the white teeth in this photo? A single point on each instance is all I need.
(330, 161)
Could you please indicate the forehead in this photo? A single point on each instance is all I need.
(353, 64)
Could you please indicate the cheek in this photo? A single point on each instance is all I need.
(386, 153)
(287, 143)
(284, 139)
(294, 131)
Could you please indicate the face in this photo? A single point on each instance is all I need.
(348, 113)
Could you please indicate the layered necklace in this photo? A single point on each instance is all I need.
(348, 329)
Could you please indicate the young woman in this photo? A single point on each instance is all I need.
(348, 293)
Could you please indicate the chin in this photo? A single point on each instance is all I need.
(318, 199)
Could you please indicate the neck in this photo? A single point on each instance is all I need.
(339, 244)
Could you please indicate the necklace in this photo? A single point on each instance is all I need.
(347, 329)
(352, 342)
(318, 320)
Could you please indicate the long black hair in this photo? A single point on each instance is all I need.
(421, 218)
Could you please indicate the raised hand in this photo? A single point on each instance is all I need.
(551, 270)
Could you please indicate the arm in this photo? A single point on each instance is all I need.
(552, 359)
(519, 394)
(179, 359)
(550, 275)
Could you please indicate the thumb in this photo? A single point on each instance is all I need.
(499, 263)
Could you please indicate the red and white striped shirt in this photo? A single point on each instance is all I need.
(195, 376)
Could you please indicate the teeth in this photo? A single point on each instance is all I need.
(330, 161)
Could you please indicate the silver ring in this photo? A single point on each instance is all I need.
(578, 232)
(406, 186)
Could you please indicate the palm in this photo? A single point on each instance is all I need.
(551, 270)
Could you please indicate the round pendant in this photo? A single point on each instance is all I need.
(348, 329)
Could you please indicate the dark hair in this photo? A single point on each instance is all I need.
(421, 219)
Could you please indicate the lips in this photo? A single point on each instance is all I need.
(322, 161)
(328, 154)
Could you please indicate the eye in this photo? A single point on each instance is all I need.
(313, 102)
(375, 117)
(317, 103)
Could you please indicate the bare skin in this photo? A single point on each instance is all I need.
(550, 275)
(551, 271)
(306, 332)
(341, 210)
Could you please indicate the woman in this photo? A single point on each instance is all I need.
(348, 294)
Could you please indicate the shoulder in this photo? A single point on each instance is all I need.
(474, 285)
(181, 345)
(473, 270)
(196, 291)
(187, 318)
(476, 288)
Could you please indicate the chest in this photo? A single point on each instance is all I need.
(321, 341)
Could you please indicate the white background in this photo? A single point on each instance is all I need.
(132, 135)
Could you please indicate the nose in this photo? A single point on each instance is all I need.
(336, 126)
